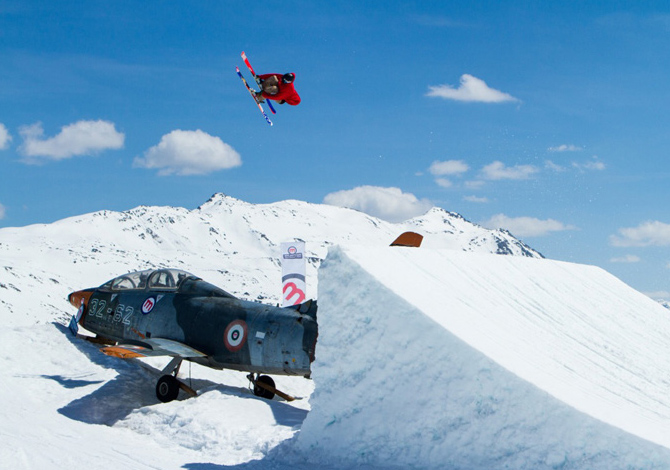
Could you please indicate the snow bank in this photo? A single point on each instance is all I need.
(426, 358)
(67, 405)
(434, 358)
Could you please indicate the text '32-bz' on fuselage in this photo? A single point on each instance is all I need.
(169, 312)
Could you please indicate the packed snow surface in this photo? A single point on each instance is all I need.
(445, 356)
(434, 358)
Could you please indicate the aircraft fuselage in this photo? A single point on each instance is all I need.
(144, 308)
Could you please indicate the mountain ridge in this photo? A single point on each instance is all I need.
(229, 242)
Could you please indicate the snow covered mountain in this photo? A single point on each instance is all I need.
(231, 243)
(447, 356)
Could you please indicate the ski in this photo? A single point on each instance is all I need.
(258, 80)
(253, 95)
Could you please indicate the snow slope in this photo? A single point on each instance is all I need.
(231, 243)
(445, 356)
(66, 405)
(434, 358)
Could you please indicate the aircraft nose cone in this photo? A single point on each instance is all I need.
(76, 297)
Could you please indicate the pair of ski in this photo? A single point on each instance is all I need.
(252, 91)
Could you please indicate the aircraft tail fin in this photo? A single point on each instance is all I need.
(308, 308)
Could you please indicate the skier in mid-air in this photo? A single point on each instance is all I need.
(278, 87)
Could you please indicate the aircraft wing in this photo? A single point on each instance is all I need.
(152, 347)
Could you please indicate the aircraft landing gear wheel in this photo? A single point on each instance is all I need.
(260, 391)
(167, 388)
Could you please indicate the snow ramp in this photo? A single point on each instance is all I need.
(438, 358)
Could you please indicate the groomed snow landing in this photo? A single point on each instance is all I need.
(435, 358)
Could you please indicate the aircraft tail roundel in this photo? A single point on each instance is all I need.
(293, 261)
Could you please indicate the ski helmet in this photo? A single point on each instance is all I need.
(288, 78)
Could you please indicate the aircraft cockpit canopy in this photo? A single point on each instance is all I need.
(168, 279)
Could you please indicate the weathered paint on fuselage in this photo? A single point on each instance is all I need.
(232, 333)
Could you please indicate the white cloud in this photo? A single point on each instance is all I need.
(479, 200)
(5, 138)
(389, 204)
(554, 166)
(526, 226)
(189, 153)
(443, 182)
(565, 148)
(498, 171)
(3, 212)
(448, 167)
(594, 165)
(471, 89)
(651, 233)
(475, 184)
(80, 138)
(626, 259)
(590, 165)
(658, 295)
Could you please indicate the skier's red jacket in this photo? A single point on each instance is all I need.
(286, 91)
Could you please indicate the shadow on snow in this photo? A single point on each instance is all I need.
(134, 388)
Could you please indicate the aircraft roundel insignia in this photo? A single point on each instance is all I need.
(235, 335)
(148, 305)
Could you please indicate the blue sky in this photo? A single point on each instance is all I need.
(550, 120)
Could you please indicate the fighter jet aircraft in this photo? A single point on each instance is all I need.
(169, 312)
